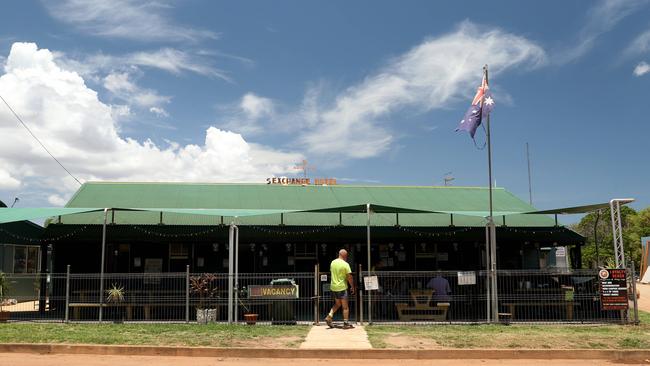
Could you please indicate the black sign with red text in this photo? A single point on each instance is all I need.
(613, 289)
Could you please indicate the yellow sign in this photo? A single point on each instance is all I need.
(273, 291)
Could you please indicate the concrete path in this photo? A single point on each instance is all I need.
(324, 337)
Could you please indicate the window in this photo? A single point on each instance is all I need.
(26, 259)
(178, 251)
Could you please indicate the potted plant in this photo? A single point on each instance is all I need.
(4, 288)
(249, 317)
(205, 287)
(115, 295)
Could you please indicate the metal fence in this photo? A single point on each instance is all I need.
(401, 297)
(570, 296)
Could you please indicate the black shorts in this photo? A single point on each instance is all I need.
(340, 294)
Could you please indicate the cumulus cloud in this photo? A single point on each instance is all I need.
(128, 19)
(250, 114)
(642, 68)
(82, 133)
(431, 75)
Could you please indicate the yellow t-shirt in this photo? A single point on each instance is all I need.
(339, 269)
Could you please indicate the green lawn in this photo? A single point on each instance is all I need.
(213, 335)
(513, 336)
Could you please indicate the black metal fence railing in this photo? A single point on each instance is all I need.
(289, 298)
(442, 296)
(523, 296)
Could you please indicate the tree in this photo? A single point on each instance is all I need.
(600, 224)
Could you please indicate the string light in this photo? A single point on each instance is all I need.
(294, 232)
(64, 236)
(19, 237)
(182, 235)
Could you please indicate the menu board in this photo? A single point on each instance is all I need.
(613, 289)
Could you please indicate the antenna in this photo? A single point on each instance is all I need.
(448, 179)
(530, 185)
(16, 199)
(304, 166)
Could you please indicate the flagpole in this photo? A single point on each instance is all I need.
(492, 245)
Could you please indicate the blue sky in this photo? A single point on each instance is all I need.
(369, 92)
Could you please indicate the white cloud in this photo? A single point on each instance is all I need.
(121, 86)
(56, 200)
(600, 19)
(640, 45)
(160, 112)
(255, 106)
(431, 75)
(250, 114)
(167, 59)
(120, 112)
(82, 133)
(174, 61)
(127, 19)
(7, 181)
(642, 68)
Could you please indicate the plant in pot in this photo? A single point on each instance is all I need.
(249, 317)
(205, 287)
(115, 295)
(4, 289)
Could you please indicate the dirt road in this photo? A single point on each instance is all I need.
(95, 360)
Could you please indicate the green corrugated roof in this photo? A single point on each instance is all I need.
(263, 196)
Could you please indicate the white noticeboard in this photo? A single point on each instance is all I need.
(371, 283)
(467, 278)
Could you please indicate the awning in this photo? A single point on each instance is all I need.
(22, 214)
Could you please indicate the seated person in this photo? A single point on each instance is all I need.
(441, 289)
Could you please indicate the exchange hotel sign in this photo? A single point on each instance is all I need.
(301, 181)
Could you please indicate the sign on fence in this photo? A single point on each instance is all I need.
(466, 278)
(371, 283)
(273, 291)
(613, 289)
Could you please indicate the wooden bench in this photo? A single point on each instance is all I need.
(77, 306)
(568, 305)
(421, 310)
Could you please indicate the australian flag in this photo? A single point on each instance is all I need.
(482, 105)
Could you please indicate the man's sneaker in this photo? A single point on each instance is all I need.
(328, 320)
(347, 325)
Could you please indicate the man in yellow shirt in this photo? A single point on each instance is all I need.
(341, 276)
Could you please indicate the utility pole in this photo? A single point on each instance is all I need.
(530, 186)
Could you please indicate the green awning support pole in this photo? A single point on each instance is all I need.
(236, 232)
(231, 266)
(101, 271)
(368, 238)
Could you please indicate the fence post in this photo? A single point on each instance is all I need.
(360, 295)
(634, 299)
(316, 297)
(67, 294)
(187, 294)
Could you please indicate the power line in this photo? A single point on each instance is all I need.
(39, 141)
